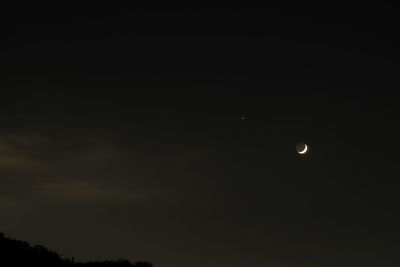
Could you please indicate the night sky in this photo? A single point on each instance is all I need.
(170, 135)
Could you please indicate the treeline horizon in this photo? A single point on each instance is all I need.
(20, 253)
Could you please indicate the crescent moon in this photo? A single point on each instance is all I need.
(304, 150)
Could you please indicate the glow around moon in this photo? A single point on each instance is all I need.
(301, 148)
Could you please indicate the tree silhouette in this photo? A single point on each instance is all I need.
(19, 253)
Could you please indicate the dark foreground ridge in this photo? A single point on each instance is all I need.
(19, 253)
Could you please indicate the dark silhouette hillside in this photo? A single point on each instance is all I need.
(19, 253)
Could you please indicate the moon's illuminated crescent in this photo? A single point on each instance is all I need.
(304, 150)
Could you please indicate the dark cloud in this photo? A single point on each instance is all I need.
(39, 166)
